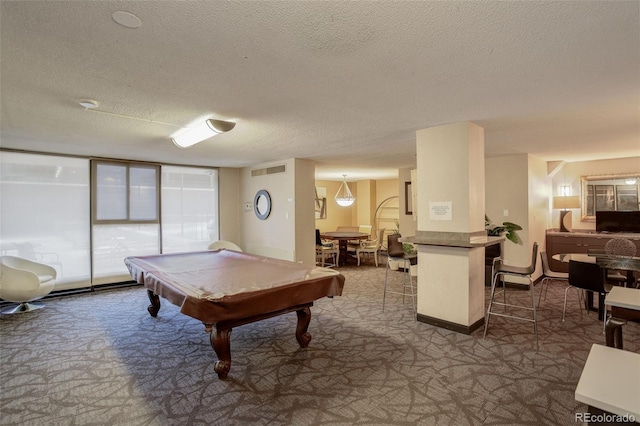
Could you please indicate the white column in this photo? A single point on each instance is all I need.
(450, 162)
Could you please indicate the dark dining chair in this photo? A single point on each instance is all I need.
(588, 277)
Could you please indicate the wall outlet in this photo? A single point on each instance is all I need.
(505, 212)
(248, 206)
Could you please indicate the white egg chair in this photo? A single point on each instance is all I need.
(23, 281)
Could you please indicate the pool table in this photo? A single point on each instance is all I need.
(225, 289)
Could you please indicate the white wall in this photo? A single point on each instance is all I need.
(288, 232)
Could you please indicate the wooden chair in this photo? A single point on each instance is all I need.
(324, 249)
(371, 247)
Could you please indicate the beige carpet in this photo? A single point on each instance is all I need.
(99, 358)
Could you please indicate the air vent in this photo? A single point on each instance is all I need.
(268, 171)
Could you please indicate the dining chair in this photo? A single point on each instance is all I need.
(395, 253)
(587, 277)
(324, 249)
(500, 270)
(353, 245)
(549, 275)
(371, 247)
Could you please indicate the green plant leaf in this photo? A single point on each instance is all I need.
(513, 226)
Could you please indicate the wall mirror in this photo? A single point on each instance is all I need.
(262, 204)
(609, 193)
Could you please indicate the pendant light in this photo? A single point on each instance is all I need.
(344, 197)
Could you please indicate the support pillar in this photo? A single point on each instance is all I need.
(450, 232)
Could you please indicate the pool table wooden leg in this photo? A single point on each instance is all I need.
(154, 307)
(221, 343)
(304, 318)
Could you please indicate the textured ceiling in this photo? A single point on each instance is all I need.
(346, 84)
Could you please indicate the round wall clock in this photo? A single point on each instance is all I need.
(262, 204)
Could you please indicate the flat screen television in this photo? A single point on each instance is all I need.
(607, 221)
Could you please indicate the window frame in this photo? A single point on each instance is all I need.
(95, 163)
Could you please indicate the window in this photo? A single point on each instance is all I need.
(125, 192)
(51, 213)
(189, 208)
(44, 213)
(125, 216)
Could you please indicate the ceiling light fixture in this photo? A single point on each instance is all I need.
(126, 19)
(191, 136)
(344, 197)
(88, 103)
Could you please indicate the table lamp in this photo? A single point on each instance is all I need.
(565, 203)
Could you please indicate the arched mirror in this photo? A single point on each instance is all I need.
(262, 204)
(610, 193)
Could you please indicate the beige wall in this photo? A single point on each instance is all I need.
(365, 202)
(288, 231)
(336, 215)
(230, 205)
(522, 185)
(570, 174)
(304, 211)
(507, 191)
(518, 185)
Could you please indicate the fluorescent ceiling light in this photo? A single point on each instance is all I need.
(209, 128)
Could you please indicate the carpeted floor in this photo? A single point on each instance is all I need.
(99, 358)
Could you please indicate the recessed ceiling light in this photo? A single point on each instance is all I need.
(126, 19)
(88, 103)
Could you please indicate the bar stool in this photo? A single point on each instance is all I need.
(395, 253)
(499, 271)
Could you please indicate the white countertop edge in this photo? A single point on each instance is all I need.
(610, 381)
(623, 297)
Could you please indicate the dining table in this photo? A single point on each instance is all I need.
(630, 264)
(343, 238)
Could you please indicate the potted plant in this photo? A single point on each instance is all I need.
(508, 229)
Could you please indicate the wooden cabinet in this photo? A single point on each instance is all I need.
(576, 242)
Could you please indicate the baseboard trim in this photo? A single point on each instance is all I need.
(458, 328)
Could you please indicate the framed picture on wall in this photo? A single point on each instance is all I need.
(408, 199)
(321, 202)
